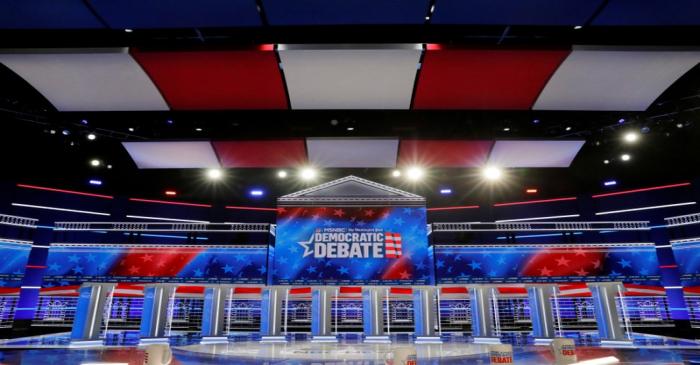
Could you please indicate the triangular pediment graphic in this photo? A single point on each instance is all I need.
(350, 189)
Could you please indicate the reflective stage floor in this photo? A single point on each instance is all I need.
(304, 352)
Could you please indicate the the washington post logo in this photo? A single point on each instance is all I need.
(353, 243)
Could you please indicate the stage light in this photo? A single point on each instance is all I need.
(578, 27)
(170, 192)
(446, 191)
(506, 129)
(109, 167)
(396, 173)
(256, 192)
(610, 183)
(631, 137)
(127, 30)
(679, 125)
(351, 129)
(606, 161)
(621, 121)
(568, 129)
(536, 121)
(65, 132)
(53, 131)
(131, 129)
(91, 137)
(215, 174)
(282, 174)
(491, 173)
(531, 191)
(625, 157)
(84, 121)
(95, 182)
(308, 173)
(169, 121)
(414, 173)
(95, 162)
(198, 129)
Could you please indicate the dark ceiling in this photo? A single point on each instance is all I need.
(36, 151)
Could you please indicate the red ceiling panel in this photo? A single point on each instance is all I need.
(444, 153)
(240, 79)
(274, 153)
(484, 79)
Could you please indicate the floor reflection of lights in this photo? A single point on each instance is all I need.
(326, 351)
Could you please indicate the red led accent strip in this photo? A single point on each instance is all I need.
(642, 190)
(251, 208)
(64, 191)
(667, 266)
(535, 201)
(170, 202)
(35, 266)
(453, 208)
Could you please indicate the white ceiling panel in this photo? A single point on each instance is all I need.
(350, 77)
(352, 152)
(605, 78)
(172, 155)
(87, 79)
(534, 153)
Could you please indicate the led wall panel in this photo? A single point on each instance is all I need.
(649, 13)
(444, 153)
(88, 79)
(601, 78)
(273, 153)
(351, 77)
(172, 155)
(345, 12)
(514, 12)
(177, 13)
(46, 14)
(352, 152)
(242, 79)
(534, 153)
(484, 79)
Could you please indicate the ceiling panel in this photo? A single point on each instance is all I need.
(177, 13)
(242, 79)
(353, 152)
(88, 79)
(339, 12)
(649, 12)
(44, 14)
(484, 79)
(172, 155)
(444, 153)
(514, 12)
(359, 77)
(272, 153)
(600, 79)
(534, 153)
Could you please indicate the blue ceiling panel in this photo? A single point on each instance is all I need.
(46, 14)
(345, 12)
(649, 12)
(150, 14)
(514, 12)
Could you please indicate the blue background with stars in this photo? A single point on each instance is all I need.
(14, 259)
(297, 224)
(74, 264)
(508, 264)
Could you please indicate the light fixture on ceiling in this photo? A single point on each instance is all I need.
(308, 173)
(625, 157)
(215, 174)
(282, 174)
(492, 173)
(414, 173)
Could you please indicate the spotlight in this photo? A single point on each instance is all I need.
(536, 121)
(625, 157)
(257, 192)
(84, 121)
(414, 173)
(506, 129)
(128, 30)
(446, 191)
(109, 167)
(169, 121)
(578, 27)
(610, 183)
(396, 173)
(91, 136)
(215, 174)
(65, 132)
(307, 173)
(53, 131)
(131, 129)
(492, 173)
(631, 137)
(170, 192)
(679, 125)
(198, 129)
(531, 191)
(95, 162)
(568, 129)
(606, 161)
(351, 129)
(621, 121)
(282, 174)
(95, 182)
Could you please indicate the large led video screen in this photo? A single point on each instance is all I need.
(14, 259)
(352, 246)
(546, 263)
(687, 256)
(73, 263)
